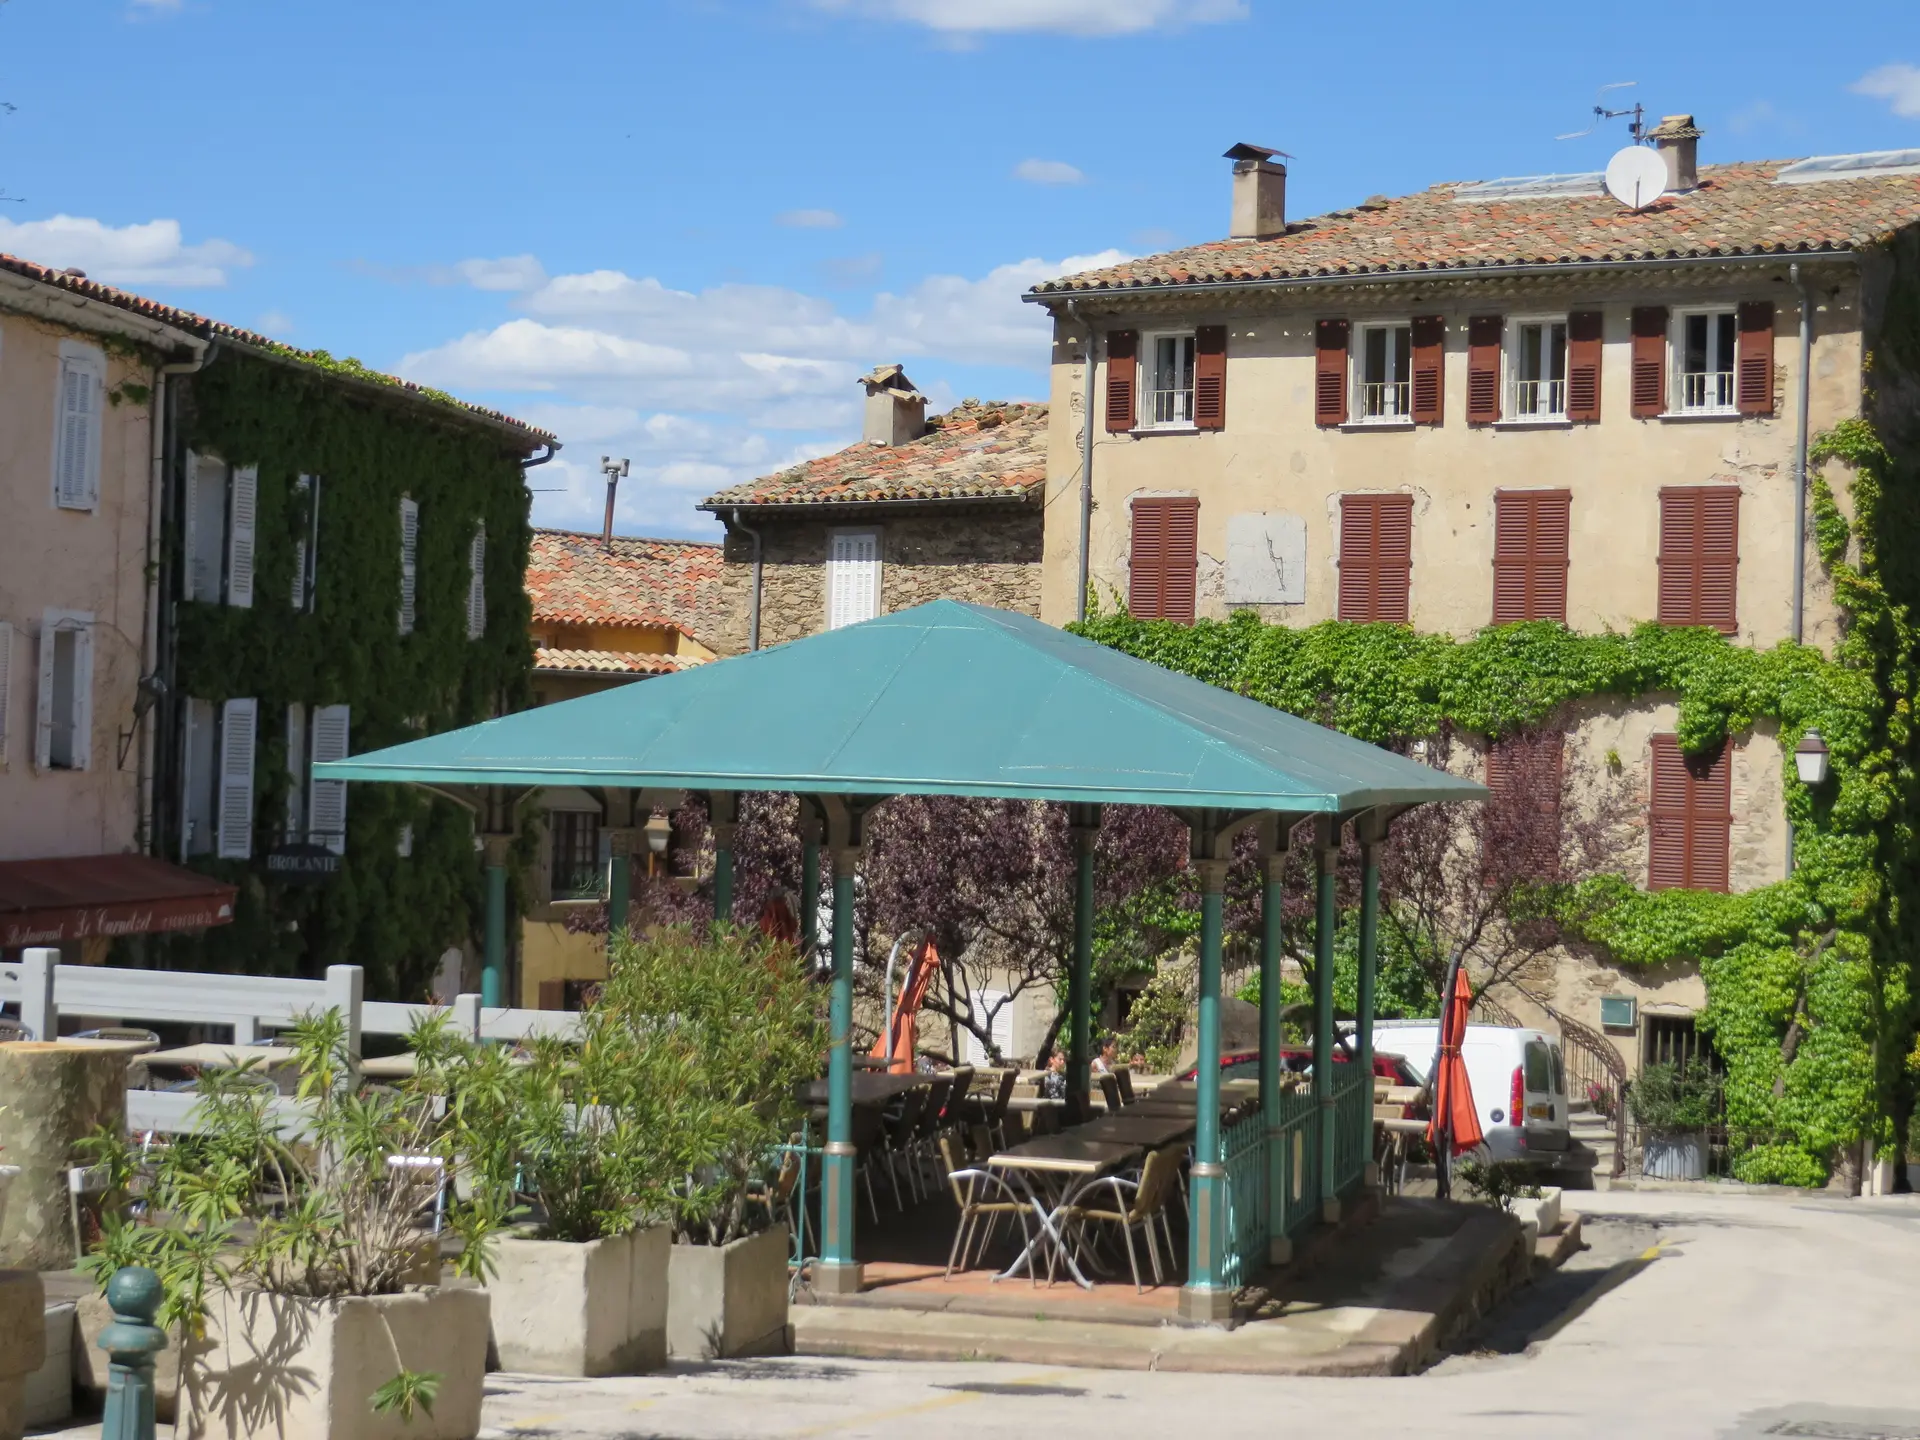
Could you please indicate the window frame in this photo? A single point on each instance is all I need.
(78, 355)
(838, 532)
(1146, 389)
(1357, 382)
(1510, 381)
(80, 624)
(1676, 357)
(566, 820)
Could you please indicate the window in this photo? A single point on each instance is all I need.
(204, 572)
(64, 729)
(199, 731)
(1170, 360)
(1376, 557)
(575, 839)
(1164, 558)
(409, 562)
(1527, 775)
(1699, 555)
(1690, 818)
(1704, 346)
(1530, 554)
(328, 739)
(853, 577)
(1537, 370)
(78, 397)
(477, 584)
(297, 774)
(1384, 363)
(306, 548)
(239, 725)
(217, 744)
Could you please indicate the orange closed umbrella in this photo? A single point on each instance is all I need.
(1454, 1114)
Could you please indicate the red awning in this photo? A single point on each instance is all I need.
(43, 902)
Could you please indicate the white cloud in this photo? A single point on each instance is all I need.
(149, 254)
(509, 272)
(1062, 17)
(809, 219)
(157, 7)
(1048, 172)
(1898, 84)
(708, 389)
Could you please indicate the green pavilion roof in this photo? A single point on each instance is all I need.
(942, 699)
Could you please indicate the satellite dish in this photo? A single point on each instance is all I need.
(1637, 177)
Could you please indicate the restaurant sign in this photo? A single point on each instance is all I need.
(304, 864)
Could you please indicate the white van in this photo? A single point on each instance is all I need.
(1519, 1084)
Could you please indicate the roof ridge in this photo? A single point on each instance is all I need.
(600, 536)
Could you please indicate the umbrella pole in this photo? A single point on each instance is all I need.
(1443, 1102)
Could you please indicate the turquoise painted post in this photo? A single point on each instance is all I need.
(131, 1341)
(1086, 836)
(722, 808)
(839, 1272)
(1273, 859)
(493, 971)
(1327, 856)
(809, 874)
(1205, 1297)
(1369, 943)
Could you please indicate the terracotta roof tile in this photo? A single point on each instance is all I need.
(973, 452)
(201, 326)
(609, 662)
(574, 579)
(1736, 210)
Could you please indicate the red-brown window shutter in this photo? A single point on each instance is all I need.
(1483, 369)
(1537, 762)
(1429, 368)
(1649, 360)
(1330, 372)
(1690, 818)
(1165, 557)
(1210, 377)
(1376, 557)
(1530, 552)
(1700, 556)
(1753, 380)
(1123, 350)
(1583, 365)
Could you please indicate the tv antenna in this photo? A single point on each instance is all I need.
(1601, 114)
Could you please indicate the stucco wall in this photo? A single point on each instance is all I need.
(1272, 457)
(987, 556)
(91, 561)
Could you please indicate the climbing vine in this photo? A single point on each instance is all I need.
(1810, 1001)
(393, 915)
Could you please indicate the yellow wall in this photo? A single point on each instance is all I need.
(549, 952)
(624, 639)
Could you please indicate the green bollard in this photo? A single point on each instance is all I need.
(131, 1342)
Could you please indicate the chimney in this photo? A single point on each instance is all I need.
(1678, 140)
(1259, 192)
(896, 411)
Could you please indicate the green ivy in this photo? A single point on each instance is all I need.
(1825, 954)
(391, 915)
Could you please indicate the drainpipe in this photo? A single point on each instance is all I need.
(162, 430)
(1086, 463)
(1803, 384)
(753, 612)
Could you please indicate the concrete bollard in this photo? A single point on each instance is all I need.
(131, 1342)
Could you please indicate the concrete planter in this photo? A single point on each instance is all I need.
(1675, 1157)
(280, 1367)
(1541, 1216)
(729, 1300)
(8, 1174)
(599, 1308)
(55, 1096)
(23, 1302)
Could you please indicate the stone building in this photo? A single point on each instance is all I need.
(1496, 401)
(941, 507)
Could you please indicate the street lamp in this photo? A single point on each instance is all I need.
(1810, 758)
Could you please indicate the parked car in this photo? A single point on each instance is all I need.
(1519, 1083)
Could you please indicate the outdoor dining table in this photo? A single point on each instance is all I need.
(1057, 1167)
(1126, 1128)
(870, 1087)
(224, 1057)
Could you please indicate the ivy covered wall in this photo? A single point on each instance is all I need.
(390, 914)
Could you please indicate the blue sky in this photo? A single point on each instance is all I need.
(677, 230)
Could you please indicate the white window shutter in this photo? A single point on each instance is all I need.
(43, 700)
(403, 845)
(6, 690)
(477, 585)
(243, 499)
(296, 770)
(76, 442)
(83, 696)
(239, 726)
(853, 578)
(327, 739)
(409, 556)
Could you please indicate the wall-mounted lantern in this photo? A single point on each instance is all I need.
(1810, 758)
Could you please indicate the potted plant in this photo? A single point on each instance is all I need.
(730, 1015)
(292, 1250)
(577, 1140)
(1673, 1106)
